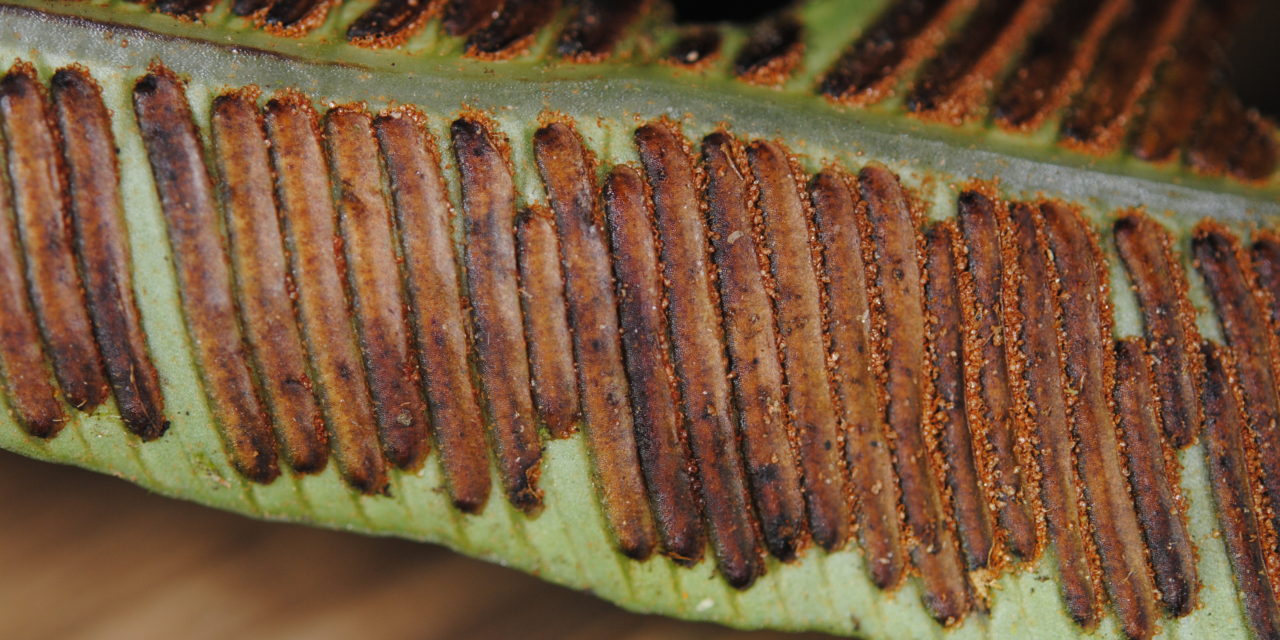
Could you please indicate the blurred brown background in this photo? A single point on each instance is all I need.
(89, 556)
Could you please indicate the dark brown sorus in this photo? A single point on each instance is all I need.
(1226, 452)
(248, 7)
(261, 279)
(643, 325)
(898, 311)
(424, 221)
(513, 27)
(309, 225)
(1154, 481)
(38, 176)
(905, 34)
(1184, 85)
(1043, 383)
(1055, 62)
(390, 22)
(489, 212)
(794, 263)
(461, 17)
(1085, 335)
(764, 418)
(1243, 309)
(1169, 326)
(546, 322)
(32, 395)
(948, 417)
(957, 80)
(293, 17)
(1264, 253)
(697, 46)
(772, 51)
(1126, 68)
(1095, 69)
(839, 217)
(377, 301)
(698, 350)
(102, 249)
(204, 273)
(188, 9)
(568, 172)
(597, 26)
(993, 414)
(1232, 140)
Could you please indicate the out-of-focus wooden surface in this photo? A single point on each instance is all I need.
(88, 556)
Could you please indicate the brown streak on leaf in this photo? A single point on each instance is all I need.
(204, 275)
(568, 172)
(309, 222)
(261, 276)
(488, 204)
(102, 250)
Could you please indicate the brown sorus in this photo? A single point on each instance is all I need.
(837, 210)
(40, 207)
(697, 46)
(1044, 384)
(901, 37)
(424, 220)
(1242, 309)
(1088, 359)
(309, 223)
(789, 243)
(102, 249)
(261, 278)
(952, 85)
(488, 204)
(391, 22)
(1182, 92)
(949, 411)
(1265, 256)
(1231, 139)
(772, 51)
(1055, 63)
(898, 309)
(461, 17)
(512, 28)
(1229, 475)
(293, 17)
(698, 350)
(1169, 325)
(204, 275)
(1154, 483)
(32, 393)
(546, 323)
(993, 413)
(1259, 153)
(568, 172)
(249, 7)
(763, 416)
(597, 26)
(185, 9)
(1219, 133)
(1140, 42)
(659, 428)
(377, 302)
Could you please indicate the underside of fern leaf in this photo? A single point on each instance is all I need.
(898, 318)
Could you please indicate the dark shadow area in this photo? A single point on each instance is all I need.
(1254, 58)
(740, 11)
